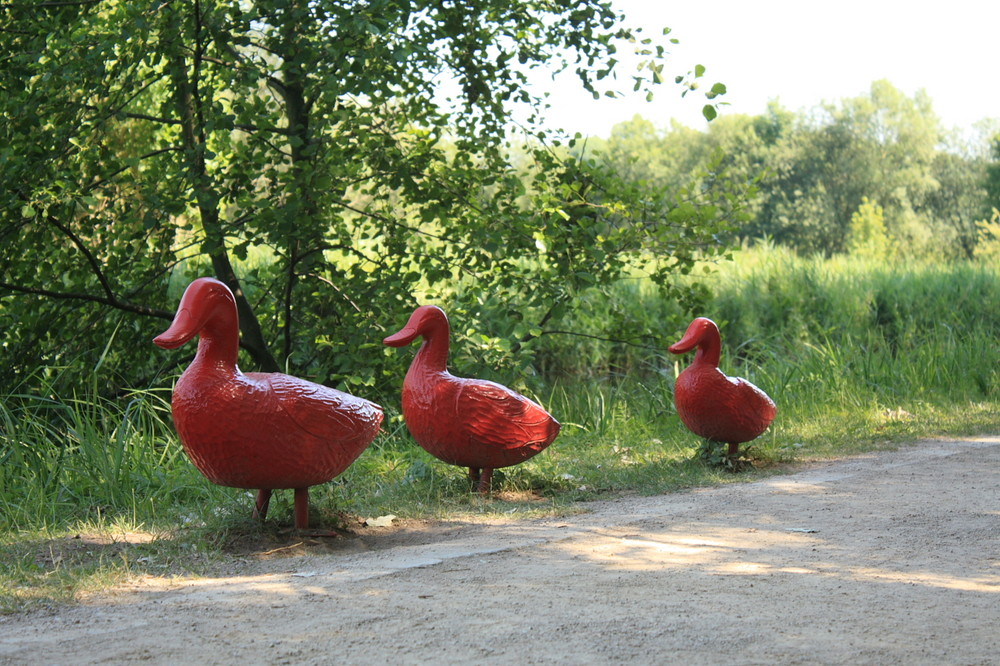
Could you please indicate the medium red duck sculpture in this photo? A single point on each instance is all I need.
(257, 430)
(723, 409)
(468, 422)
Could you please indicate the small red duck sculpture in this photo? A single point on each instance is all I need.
(468, 422)
(723, 409)
(257, 430)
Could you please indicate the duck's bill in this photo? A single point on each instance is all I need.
(181, 331)
(402, 338)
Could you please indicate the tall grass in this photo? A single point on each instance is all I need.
(856, 354)
(70, 458)
(866, 349)
(854, 327)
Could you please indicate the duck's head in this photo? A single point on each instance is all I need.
(424, 322)
(700, 332)
(207, 305)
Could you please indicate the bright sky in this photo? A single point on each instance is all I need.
(804, 52)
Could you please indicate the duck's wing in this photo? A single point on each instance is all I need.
(320, 410)
(722, 408)
(749, 411)
(497, 416)
(756, 399)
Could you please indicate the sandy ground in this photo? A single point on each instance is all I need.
(892, 558)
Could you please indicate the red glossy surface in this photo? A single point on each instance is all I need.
(257, 430)
(712, 405)
(469, 422)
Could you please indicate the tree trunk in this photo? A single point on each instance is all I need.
(189, 104)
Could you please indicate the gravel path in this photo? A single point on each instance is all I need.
(892, 558)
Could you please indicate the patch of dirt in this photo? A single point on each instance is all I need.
(891, 557)
(353, 537)
(86, 548)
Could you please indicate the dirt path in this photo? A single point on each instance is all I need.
(889, 558)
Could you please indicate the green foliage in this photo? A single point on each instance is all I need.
(856, 352)
(878, 330)
(992, 176)
(82, 456)
(811, 171)
(868, 237)
(988, 245)
(717, 455)
(335, 163)
(877, 146)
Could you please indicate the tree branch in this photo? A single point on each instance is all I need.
(137, 116)
(95, 265)
(339, 246)
(602, 339)
(50, 3)
(337, 289)
(102, 181)
(110, 301)
(386, 220)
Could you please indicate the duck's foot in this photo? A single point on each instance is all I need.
(737, 460)
(739, 464)
(263, 500)
(730, 458)
(301, 508)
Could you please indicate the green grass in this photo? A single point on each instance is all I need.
(857, 355)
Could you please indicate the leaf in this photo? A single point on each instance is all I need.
(709, 112)
(540, 242)
(343, 212)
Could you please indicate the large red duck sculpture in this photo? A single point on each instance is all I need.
(257, 430)
(722, 409)
(467, 422)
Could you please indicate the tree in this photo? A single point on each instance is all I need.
(333, 162)
(868, 237)
(881, 145)
(991, 180)
(676, 165)
(955, 206)
(642, 152)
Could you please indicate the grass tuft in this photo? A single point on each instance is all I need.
(858, 356)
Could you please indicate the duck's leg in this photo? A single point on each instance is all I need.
(735, 459)
(474, 475)
(263, 500)
(301, 508)
(485, 481)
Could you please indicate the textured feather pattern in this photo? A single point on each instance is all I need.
(469, 422)
(257, 430)
(721, 408)
(269, 430)
(474, 423)
(712, 405)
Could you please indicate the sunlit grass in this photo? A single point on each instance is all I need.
(859, 356)
(43, 568)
